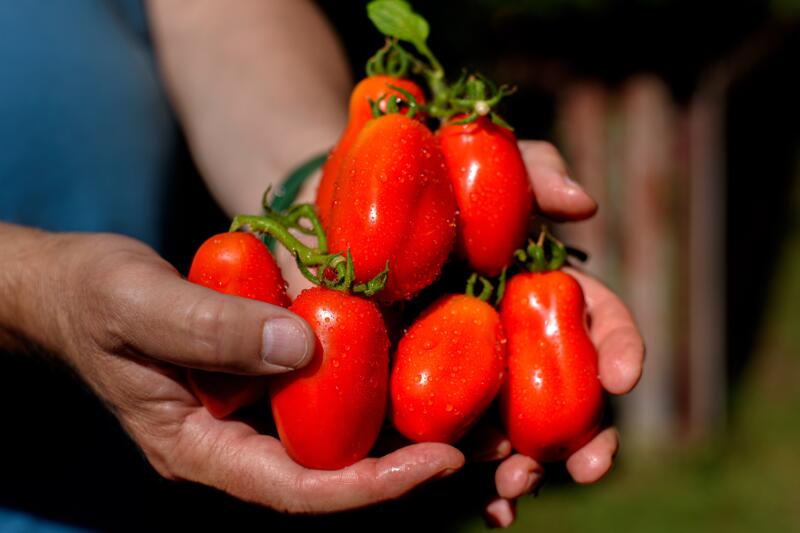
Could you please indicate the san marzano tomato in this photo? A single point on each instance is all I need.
(329, 413)
(393, 202)
(447, 370)
(552, 400)
(373, 88)
(238, 264)
(492, 189)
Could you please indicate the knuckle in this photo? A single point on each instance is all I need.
(206, 321)
(300, 498)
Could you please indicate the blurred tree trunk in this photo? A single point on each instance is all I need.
(583, 129)
(621, 147)
(647, 163)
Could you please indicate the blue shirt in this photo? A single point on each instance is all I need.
(87, 138)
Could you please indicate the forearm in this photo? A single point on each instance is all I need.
(23, 277)
(259, 86)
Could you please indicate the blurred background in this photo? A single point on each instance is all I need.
(681, 119)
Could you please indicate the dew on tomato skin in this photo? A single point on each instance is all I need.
(448, 407)
(335, 363)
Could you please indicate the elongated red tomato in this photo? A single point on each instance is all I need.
(492, 189)
(447, 370)
(329, 413)
(371, 88)
(237, 264)
(552, 400)
(393, 202)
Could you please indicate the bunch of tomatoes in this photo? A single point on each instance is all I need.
(397, 201)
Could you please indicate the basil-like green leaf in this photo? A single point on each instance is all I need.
(395, 18)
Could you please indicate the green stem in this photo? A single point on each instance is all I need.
(276, 229)
(277, 225)
(501, 287)
(486, 290)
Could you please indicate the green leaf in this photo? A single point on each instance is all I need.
(396, 18)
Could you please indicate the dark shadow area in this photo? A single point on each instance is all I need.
(763, 142)
(192, 217)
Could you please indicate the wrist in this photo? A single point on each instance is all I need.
(26, 273)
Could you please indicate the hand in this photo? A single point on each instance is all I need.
(620, 347)
(129, 325)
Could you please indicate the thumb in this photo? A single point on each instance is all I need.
(170, 319)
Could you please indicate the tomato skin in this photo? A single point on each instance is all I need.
(494, 194)
(329, 413)
(447, 370)
(393, 202)
(371, 88)
(238, 264)
(552, 400)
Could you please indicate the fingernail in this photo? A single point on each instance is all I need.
(445, 473)
(500, 451)
(285, 343)
(499, 513)
(571, 183)
(533, 479)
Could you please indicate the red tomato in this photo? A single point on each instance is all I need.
(447, 370)
(329, 413)
(237, 264)
(393, 202)
(552, 400)
(492, 189)
(371, 88)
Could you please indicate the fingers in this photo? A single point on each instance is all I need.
(557, 196)
(620, 347)
(500, 512)
(517, 475)
(594, 460)
(229, 455)
(159, 314)
(487, 443)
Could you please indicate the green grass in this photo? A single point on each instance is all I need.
(745, 480)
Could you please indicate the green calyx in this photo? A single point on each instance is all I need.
(543, 255)
(333, 271)
(476, 96)
(395, 104)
